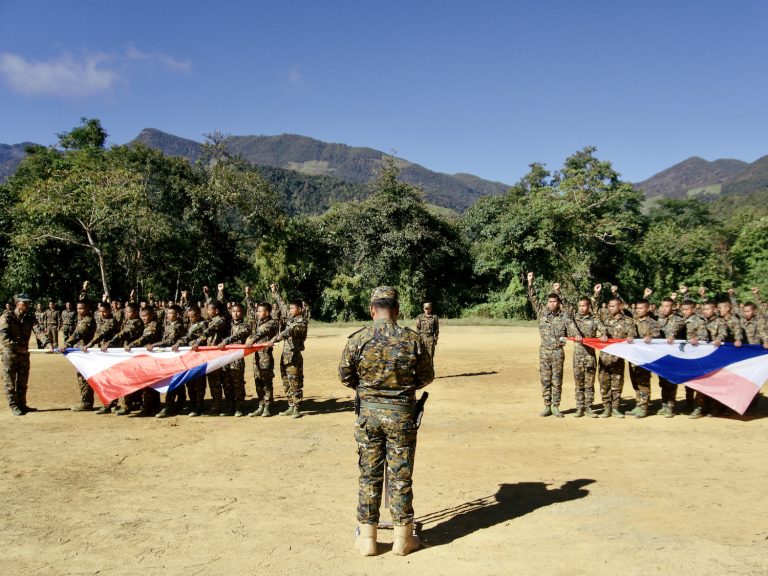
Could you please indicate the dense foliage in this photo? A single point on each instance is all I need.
(130, 218)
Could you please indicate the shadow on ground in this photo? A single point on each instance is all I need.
(468, 374)
(327, 406)
(510, 501)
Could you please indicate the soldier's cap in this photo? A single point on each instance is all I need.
(385, 293)
(23, 297)
(427, 304)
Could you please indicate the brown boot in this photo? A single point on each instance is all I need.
(365, 539)
(405, 540)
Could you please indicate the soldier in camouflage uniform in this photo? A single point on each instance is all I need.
(52, 318)
(151, 334)
(291, 360)
(753, 329)
(233, 374)
(82, 335)
(16, 328)
(690, 328)
(554, 325)
(668, 321)
(214, 333)
(716, 332)
(106, 329)
(68, 320)
(131, 329)
(616, 325)
(264, 329)
(428, 327)
(725, 309)
(385, 364)
(584, 358)
(39, 328)
(172, 331)
(196, 387)
(646, 328)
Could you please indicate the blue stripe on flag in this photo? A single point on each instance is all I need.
(679, 370)
(182, 378)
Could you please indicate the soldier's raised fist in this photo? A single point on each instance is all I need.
(614, 289)
(683, 289)
(598, 288)
(731, 291)
(702, 291)
(556, 286)
(673, 295)
(755, 290)
(86, 284)
(273, 287)
(530, 277)
(205, 290)
(220, 286)
(647, 292)
(247, 290)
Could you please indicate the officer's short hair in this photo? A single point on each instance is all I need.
(175, 307)
(688, 303)
(266, 305)
(614, 299)
(668, 300)
(237, 304)
(643, 301)
(724, 300)
(552, 295)
(297, 303)
(194, 308)
(585, 299)
(215, 304)
(709, 303)
(750, 304)
(386, 303)
(131, 306)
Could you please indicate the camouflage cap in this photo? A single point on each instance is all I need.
(384, 292)
(23, 297)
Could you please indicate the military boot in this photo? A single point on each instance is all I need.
(546, 412)
(258, 412)
(365, 539)
(589, 412)
(556, 412)
(670, 410)
(266, 413)
(663, 411)
(216, 408)
(616, 412)
(104, 410)
(288, 411)
(164, 413)
(641, 412)
(17, 411)
(296, 413)
(606, 413)
(697, 413)
(81, 408)
(634, 411)
(579, 412)
(405, 541)
(122, 411)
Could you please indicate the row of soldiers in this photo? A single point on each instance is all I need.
(705, 320)
(109, 324)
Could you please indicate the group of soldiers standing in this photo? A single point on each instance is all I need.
(155, 324)
(676, 317)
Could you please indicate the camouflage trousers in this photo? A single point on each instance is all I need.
(551, 369)
(215, 380)
(174, 400)
(584, 368)
(52, 336)
(15, 375)
(263, 378)
(385, 437)
(641, 382)
(611, 380)
(292, 373)
(430, 343)
(233, 384)
(86, 392)
(196, 392)
(668, 391)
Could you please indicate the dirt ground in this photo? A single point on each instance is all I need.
(498, 489)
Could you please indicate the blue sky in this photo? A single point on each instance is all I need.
(478, 87)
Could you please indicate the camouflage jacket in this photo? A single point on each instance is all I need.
(129, 332)
(105, 331)
(215, 332)
(194, 333)
(386, 363)
(39, 326)
(15, 331)
(716, 329)
(294, 331)
(587, 327)
(553, 326)
(647, 326)
(68, 319)
(152, 334)
(428, 325)
(691, 327)
(118, 316)
(734, 332)
(172, 331)
(83, 333)
(754, 330)
(52, 319)
(619, 326)
(669, 324)
(263, 331)
(239, 330)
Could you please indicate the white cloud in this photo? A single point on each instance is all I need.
(69, 76)
(62, 76)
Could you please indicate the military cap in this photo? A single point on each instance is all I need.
(383, 293)
(427, 305)
(23, 297)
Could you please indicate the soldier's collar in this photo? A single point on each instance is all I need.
(381, 321)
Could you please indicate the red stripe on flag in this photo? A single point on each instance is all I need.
(597, 343)
(726, 387)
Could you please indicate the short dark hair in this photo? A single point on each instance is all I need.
(552, 295)
(266, 305)
(585, 299)
(194, 308)
(175, 307)
(216, 304)
(668, 300)
(386, 303)
(643, 301)
(688, 303)
(297, 303)
(131, 306)
(614, 299)
(106, 305)
(709, 303)
(750, 304)
(237, 304)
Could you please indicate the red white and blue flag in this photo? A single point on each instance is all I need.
(115, 373)
(726, 373)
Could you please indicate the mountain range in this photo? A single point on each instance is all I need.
(310, 174)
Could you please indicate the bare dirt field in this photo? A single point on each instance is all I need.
(498, 489)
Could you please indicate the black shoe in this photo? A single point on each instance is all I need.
(17, 411)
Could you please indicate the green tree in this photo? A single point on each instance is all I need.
(89, 134)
